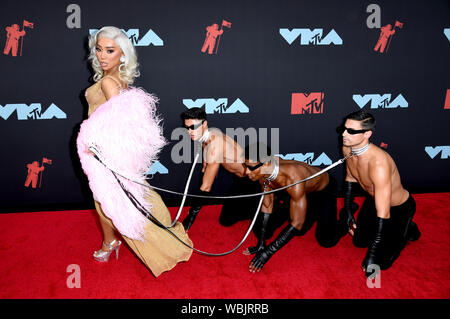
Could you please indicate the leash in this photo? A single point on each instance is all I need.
(153, 219)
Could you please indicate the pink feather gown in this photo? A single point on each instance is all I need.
(127, 133)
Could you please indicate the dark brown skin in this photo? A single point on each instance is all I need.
(290, 172)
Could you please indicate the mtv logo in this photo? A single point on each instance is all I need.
(380, 101)
(157, 167)
(32, 111)
(308, 158)
(308, 36)
(433, 151)
(307, 103)
(217, 106)
(133, 34)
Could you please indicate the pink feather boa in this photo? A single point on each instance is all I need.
(127, 133)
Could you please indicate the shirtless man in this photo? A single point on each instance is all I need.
(312, 200)
(385, 221)
(218, 150)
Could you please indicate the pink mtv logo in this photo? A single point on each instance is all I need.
(307, 103)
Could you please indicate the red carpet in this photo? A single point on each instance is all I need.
(36, 249)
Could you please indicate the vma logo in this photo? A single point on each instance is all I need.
(307, 103)
(156, 168)
(217, 106)
(433, 151)
(380, 101)
(447, 33)
(308, 158)
(133, 34)
(308, 36)
(31, 112)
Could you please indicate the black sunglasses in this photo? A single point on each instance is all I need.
(193, 126)
(252, 168)
(350, 131)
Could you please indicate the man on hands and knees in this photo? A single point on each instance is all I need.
(384, 223)
(312, 200)
(218, 150)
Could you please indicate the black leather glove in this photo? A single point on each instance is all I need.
(346, 218)
(261, 242)
(195, 209)
(263, 256)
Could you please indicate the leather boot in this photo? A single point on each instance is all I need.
(413, 232)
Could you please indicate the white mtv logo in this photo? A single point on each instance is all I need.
(157, 167)
(217, 106)
(308, 36)
(380, 101)
(433, 151)
(308, 158)
(32, 111)
(133, 34)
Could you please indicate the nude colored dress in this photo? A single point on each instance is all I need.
(160, 251)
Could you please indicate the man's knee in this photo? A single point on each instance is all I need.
(327, 242)
(360, 241)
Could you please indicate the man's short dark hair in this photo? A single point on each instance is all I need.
(367, 120)
(257, 152)
(195, 113)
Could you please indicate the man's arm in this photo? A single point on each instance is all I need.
(381, 179)
(209, 175)
(267, 204)
(298, 205)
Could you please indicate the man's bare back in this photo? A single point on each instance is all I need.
(362, 169)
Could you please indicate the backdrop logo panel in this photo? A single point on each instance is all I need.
(13, 35)
(133, 34)
(212, 38)
(157, 168)
(35, 172)
(386, 35)
(217, 106)
(308, 158)
(447, 100)
(313, 37)
(380, 101)
(31, 112)
(307, 103)
(433, 151)
(447, 33)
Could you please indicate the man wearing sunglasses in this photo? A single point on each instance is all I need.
(384, 223)
(310, 201)
(218, 150)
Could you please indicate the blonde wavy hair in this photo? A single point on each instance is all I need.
(128, 70)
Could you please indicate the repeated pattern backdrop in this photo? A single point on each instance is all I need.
(296, 66)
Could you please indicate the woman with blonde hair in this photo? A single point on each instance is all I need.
(123, 129)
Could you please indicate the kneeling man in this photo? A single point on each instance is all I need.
(312, 200)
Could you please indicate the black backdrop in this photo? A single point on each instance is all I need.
(254, 63)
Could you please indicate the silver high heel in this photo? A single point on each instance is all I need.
(103, 256)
